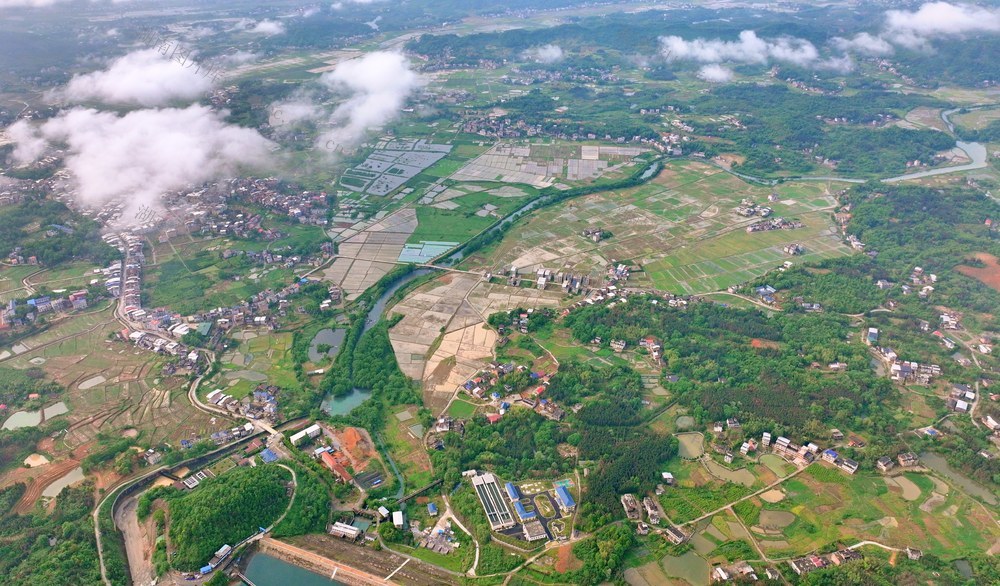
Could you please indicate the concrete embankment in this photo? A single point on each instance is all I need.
(317, 563)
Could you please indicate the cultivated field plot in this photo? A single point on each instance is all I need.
(923, 117)
(430, 310)
(185, 275)
(369, 253)
(23, 281)
(460, 355)
(112, 387)
(977, 119)
(489, 298)
(441, 339)
(715, 264)
(391, 164)
(11, 286)
(824, 505)
(541, 165)
(682, 228)
(66, 326)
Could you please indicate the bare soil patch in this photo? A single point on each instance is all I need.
(35, 460)
(989, 275)
(773, 496)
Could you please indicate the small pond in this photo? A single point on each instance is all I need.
(33, 418)
(332, 338)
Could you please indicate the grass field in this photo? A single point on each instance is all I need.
(461, 409)
(715, 264)
(190, 275)
(260, 357)
(461, 223)
(408, 451)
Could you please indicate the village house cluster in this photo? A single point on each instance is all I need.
(773, 224)
(15, 315)
(749, 208)
(306, 207)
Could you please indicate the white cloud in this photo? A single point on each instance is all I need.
(142, 77)
(343, 3)
(145, 153)
(32, 3)
(913, 29)
(545, 54)
(268, 28)
(748, 49)
(377, 85)
(865, 44)
(296, 109)
(238, 58)
(715, 73)
(39, 3)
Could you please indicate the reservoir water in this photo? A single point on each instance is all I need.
(265, 570)
(937, 463)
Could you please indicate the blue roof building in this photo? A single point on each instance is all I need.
(512, 492)
(565, 498)
(268, 456)
(432, 509)
(522, 514)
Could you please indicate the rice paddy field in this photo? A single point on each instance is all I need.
(682, 228)
(111, 386)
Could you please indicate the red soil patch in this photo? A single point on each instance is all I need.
(760, 343)
(49, 474)
(565, 555)
(988, 275)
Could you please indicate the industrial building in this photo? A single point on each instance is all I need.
(311, 432)
(488, 490)
(534, 530)
(345, 531)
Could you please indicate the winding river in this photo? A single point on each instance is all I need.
(345, 404)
